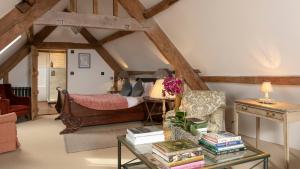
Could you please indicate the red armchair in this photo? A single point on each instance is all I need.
(10, 103)
(8, 133)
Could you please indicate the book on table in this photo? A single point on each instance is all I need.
(221, 143)
(224, 157)
(145, 139)
(144, 131)
(178, 153)
(145, 135)
(221, 137)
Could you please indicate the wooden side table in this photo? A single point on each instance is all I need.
(154, 101)
(279, 111)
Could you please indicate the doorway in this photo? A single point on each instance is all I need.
(52, 74)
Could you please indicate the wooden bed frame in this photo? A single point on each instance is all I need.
(75, 116)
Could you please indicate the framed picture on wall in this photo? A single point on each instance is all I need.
(84, 60)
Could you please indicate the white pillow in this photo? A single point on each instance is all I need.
(147, 88)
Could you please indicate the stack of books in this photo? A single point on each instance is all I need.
(145, 135)
(179, 154)
(223, 142)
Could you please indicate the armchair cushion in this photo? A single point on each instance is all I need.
(205, 105)
(8, 132)
(8, 118)
(199, 103)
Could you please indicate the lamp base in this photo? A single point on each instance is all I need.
(266, 101)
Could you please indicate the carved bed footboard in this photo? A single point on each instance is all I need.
(75, 116)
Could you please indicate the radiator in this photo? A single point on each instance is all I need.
(21, 91)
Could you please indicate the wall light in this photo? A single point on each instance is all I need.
(11, 43)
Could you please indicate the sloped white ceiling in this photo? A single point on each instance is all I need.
(6, 6)
(236, 37)
(137, 52)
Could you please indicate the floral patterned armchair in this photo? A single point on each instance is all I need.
(206, 105)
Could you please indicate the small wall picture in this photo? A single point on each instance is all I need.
(84, 60)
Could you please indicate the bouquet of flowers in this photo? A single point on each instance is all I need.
(173, 86)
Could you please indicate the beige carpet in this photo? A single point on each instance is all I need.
(96, 137)
(46, 109)
(43, 148)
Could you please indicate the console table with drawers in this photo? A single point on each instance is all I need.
(278, 111)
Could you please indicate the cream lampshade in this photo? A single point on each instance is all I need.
(266, 88)
(157, 90)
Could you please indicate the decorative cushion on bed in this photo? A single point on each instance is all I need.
(147, 88)
(138, 89)
(126, 88)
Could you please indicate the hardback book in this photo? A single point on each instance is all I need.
(224, 157)
(176, 157)
(212, 151)
(178, 163)
(193, 165)
(220, 149)
(221, 137)
(145, 139)
(230, 143)
(144, 131)
(176, 147)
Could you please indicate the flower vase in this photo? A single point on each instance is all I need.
(177, 102)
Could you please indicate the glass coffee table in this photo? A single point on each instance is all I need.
(145, 159)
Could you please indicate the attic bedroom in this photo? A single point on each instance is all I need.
(160, 84)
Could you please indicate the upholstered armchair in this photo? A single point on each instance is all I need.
(8, 132)
(206, 105)
(10, 103)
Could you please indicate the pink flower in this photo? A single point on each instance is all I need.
(173, 86)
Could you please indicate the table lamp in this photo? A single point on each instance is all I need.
(157, 93)
(266, 88)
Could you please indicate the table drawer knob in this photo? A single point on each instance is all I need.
(270, 114)
(244, 108)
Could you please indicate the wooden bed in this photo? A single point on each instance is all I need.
(74, 115)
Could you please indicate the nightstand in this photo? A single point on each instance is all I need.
(282, 112)
(155, 102)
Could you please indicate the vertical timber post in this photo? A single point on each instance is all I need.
(34, 82)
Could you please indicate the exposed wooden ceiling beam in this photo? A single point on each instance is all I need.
(95, 7)
(44, 33)
(30, 2)
(277, 80)
(73, 5)
(115, 8)
(19, 55)
(114, 36)
(13, 60)
(136, 10)
(30, 35)
(16, 23)
(63, 45)
(133, 72)
(89, 21)
(101, 50)
(164, 4)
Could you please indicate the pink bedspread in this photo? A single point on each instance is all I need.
(101, 101)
